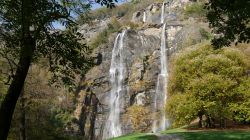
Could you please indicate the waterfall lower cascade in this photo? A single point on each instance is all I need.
(160, 122)
(117, 71)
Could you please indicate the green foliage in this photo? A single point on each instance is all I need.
(229, 19)
(241, 111)
(108, 3)
(139, 117)
(113, 27)
(195, 10)
(102, 38)
(26, 28)
(184, 111)
(205, 34)
(48, 111)
(210, 81)
(67, 57)
(119, 11)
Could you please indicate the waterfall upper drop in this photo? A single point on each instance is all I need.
(162, 12)
(117, 71)
(144, 17)
(160, 123)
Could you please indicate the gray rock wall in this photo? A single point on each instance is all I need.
(142, 51)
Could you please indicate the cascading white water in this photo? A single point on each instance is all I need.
(144, 17)
(117, 71)
(160, 123)
(162, 12)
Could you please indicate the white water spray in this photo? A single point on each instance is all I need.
(162, 12)
(117, 71)
(160, 123)
(144, 17)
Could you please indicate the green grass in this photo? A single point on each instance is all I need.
(217, 135)
(138, 136)
(210, 135)
(175, 130)
(192, 135)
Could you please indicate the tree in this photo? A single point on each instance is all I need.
(27, 32)
(43, 112)
(230, 19)
(209, 82)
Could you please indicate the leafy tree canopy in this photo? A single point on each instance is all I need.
(230, 19)
(66, 55)
(210, 82)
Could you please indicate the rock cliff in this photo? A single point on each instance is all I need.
(142, 51)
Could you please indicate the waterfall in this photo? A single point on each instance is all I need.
(144, 17)
(117, 71)
(160, 123)
(162, 12)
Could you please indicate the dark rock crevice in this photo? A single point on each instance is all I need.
(88, 115)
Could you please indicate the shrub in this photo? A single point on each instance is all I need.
(195, 10)
(102, 38)
(205, 34)
(139, 117)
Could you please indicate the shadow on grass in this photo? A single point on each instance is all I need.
(214, 135)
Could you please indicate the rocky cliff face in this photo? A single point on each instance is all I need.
(142, 51)
(173, 12)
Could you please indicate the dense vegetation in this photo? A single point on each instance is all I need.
(42, 110)
(27, 34)
(209, 82)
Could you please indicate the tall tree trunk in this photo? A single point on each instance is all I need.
(92, 125)
(222, 122)
(23, 118)
(208, 121)
(200, 113)
(15, 88)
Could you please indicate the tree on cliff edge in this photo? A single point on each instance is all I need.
(26, 33)
(230, 19)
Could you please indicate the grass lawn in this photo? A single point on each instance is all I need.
(139, 136)
(210, 135)
(192, 135)
(215, 135)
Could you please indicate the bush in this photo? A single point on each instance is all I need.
(139, 117)
(205, 34)
(195, 10)
(102, 38)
